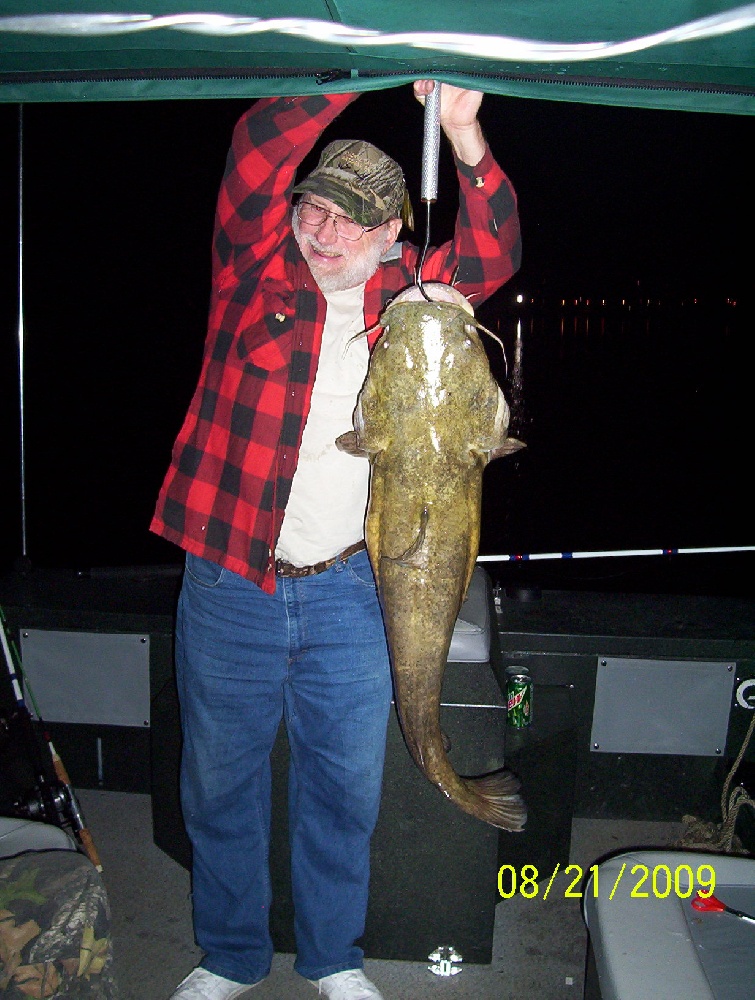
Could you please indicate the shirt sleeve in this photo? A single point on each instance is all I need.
(486, 249)
(269, 142)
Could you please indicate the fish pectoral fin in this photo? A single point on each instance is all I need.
(446, 741)
(411, 556)
(508, 447)
(349, 443)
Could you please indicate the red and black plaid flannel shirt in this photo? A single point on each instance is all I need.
(233, 462)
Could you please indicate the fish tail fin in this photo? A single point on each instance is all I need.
(497, 800)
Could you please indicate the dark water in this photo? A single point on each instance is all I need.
(636, 423)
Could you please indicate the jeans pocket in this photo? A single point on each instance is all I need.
(359, 569)
(202, 571)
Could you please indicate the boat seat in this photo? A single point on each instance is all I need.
(656, 944)
(17, 835)
(470, 642)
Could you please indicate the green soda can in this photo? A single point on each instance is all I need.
(519, 691)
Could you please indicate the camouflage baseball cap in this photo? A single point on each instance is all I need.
(362, 180)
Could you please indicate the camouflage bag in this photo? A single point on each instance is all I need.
(54, 928)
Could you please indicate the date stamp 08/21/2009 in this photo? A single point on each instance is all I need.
(642, 882)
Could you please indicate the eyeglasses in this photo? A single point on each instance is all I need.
(315, 215)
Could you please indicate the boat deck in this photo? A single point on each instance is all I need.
(539, 947)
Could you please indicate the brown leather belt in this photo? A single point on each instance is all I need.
(283, 568)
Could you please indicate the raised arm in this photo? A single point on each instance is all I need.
(486, 249)
(269, 142)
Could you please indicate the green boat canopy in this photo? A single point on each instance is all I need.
(672, 54)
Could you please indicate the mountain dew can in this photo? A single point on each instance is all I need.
(519, 690)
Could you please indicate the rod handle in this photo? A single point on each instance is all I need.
(89, 849)
(81, 831)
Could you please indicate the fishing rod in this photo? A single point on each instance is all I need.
(430, 156)
(613, 553)
(53, 799)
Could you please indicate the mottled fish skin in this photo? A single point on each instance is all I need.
(430, 416)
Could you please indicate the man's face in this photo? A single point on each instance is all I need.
(336, 263)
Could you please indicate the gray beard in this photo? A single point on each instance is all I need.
(356, 272)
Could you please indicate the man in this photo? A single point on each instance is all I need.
(278, 614)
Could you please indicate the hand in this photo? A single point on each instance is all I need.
(458, 118)
(458, 107)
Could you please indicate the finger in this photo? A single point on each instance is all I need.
(422, 88)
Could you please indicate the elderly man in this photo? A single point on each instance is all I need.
(278, 615)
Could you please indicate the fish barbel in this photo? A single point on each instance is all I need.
(429, 417)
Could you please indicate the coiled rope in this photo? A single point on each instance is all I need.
(720, 837)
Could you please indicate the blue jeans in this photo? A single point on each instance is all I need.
(314, 652)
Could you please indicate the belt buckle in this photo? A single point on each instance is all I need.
(283, 568)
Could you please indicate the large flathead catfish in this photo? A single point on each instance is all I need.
(429, 417)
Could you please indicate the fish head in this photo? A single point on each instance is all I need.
(430, 380)
(436, 291)
(431, 331)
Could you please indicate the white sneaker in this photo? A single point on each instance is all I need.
(203, 985)
(349, 985)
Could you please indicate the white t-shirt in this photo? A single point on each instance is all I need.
(325, 512)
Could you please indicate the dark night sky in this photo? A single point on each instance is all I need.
(118, 209)
(605, 192)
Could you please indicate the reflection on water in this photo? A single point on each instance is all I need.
(516, 387)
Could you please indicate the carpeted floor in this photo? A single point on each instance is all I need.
(539, 946)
